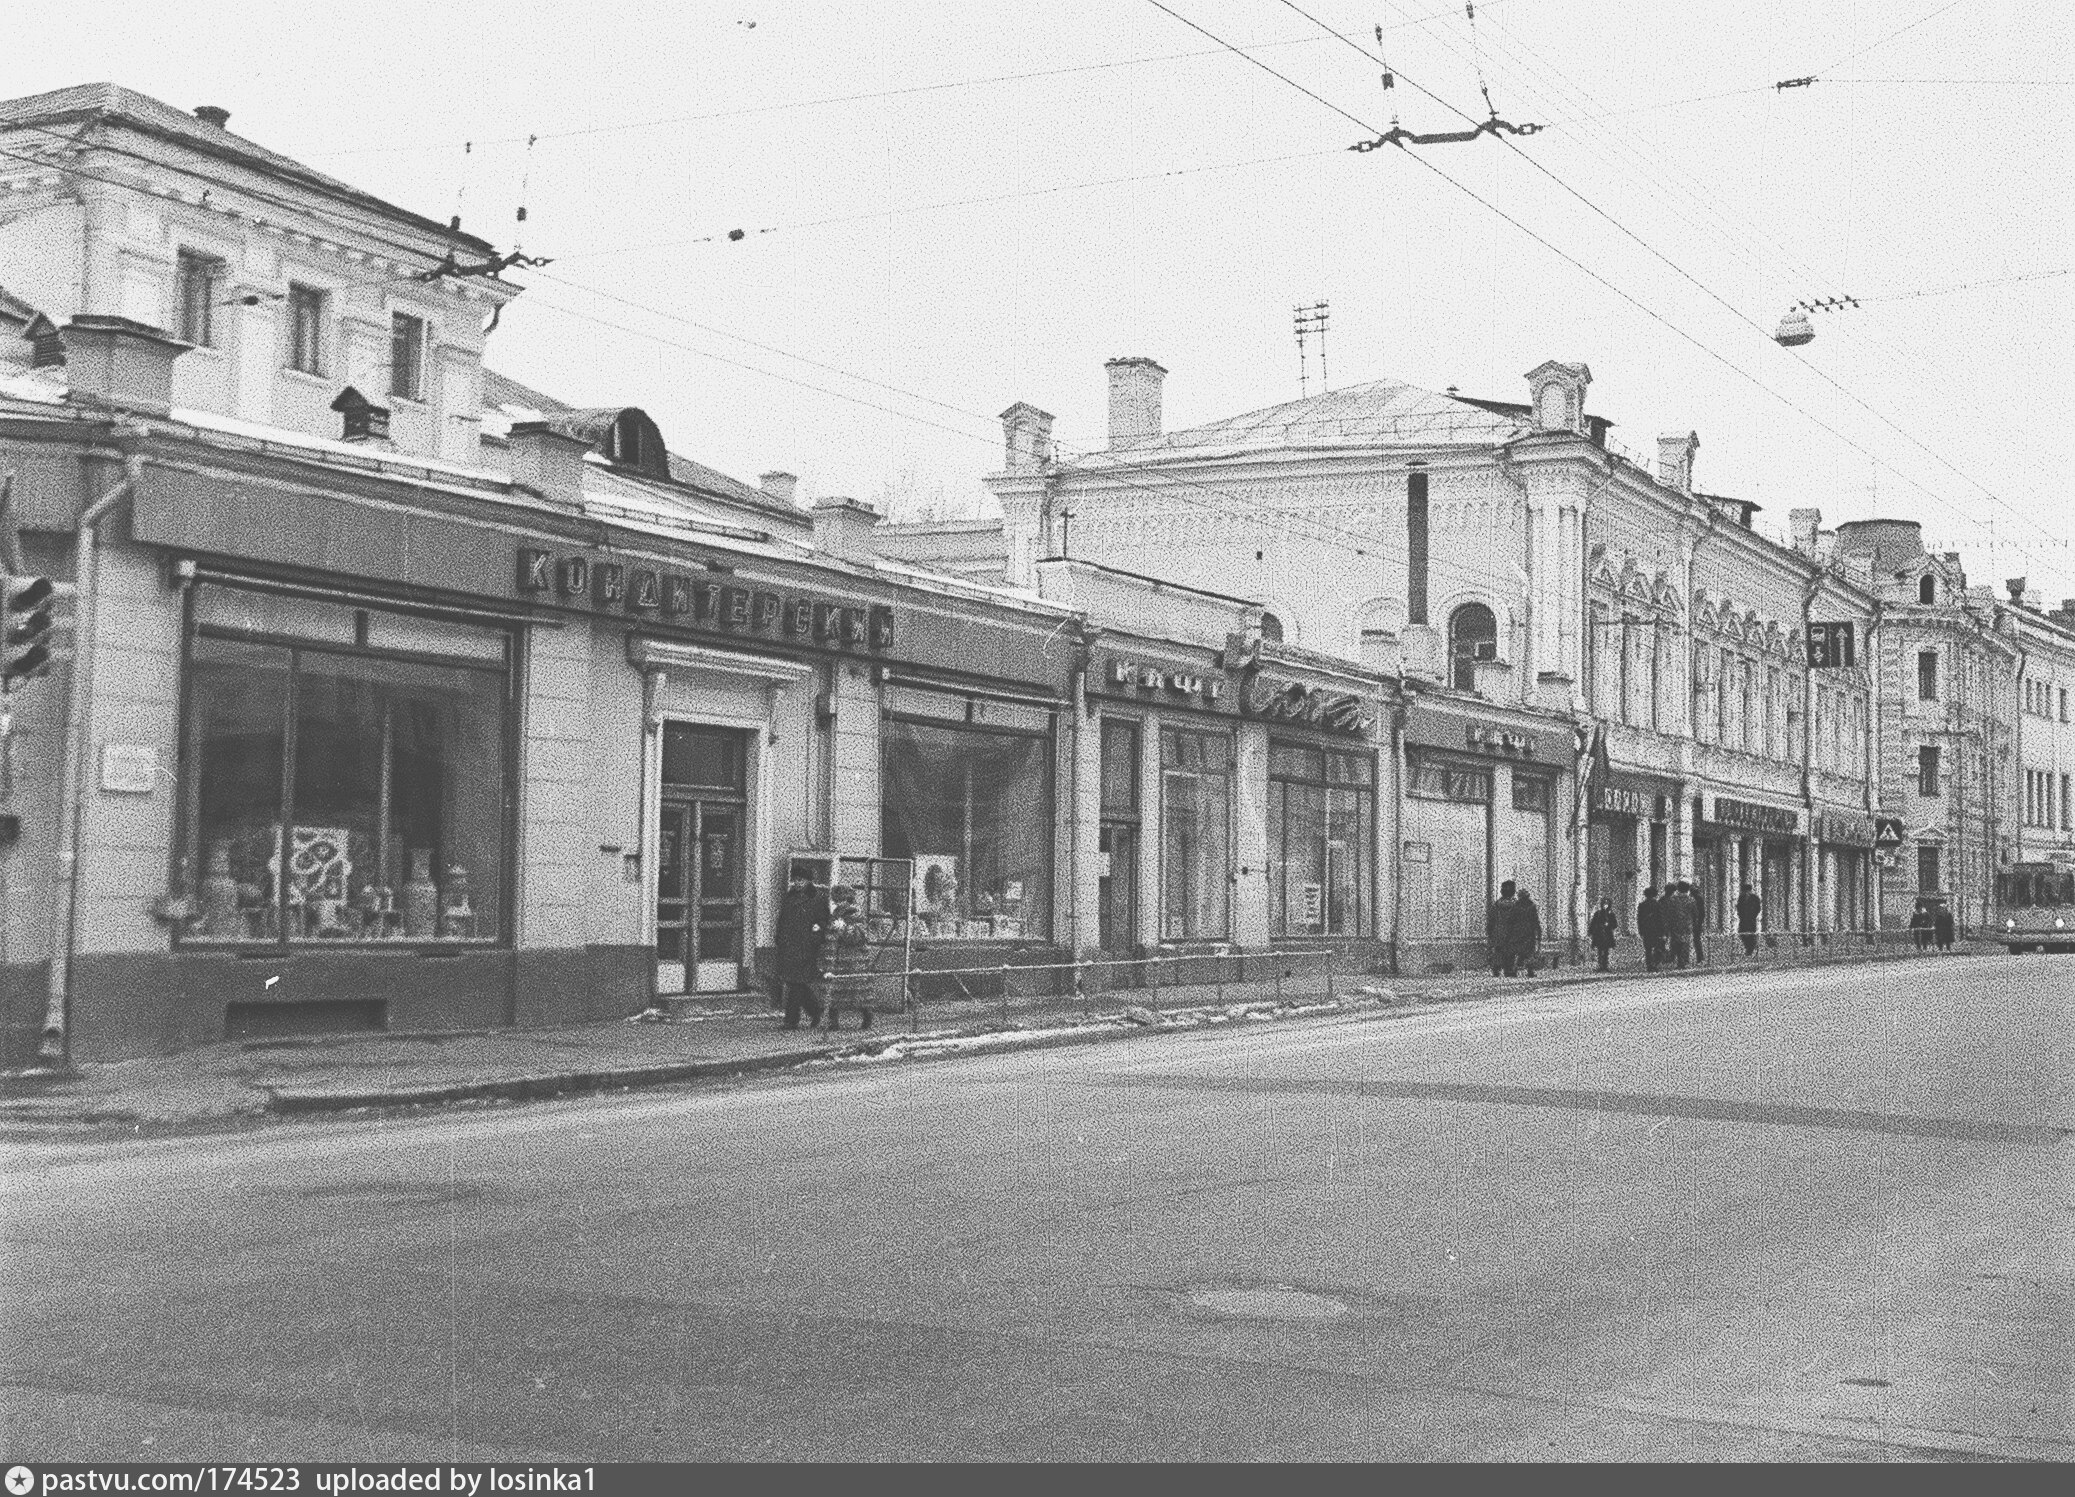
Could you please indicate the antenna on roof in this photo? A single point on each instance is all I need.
(1310, 320)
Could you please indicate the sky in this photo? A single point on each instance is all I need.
(946, 208)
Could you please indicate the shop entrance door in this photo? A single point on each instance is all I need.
(1117, 900)
(700, 862)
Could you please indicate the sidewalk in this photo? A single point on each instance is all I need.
(240, 1084)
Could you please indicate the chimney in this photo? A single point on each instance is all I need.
(779, 486)
(114, 361)
(361, 419)
(1026, 434)
(1134, 401)
(1806, 525)
(548, 463)
(213, 114)
(843, 529)
(1675, 461)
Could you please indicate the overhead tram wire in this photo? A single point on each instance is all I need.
(889, 93)
(1821, 374)
(1732, 232)
(1579, 265)
(735, 235)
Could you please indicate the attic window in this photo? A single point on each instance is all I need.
(1271, 628)
(46, 344)
(634, 442)
(1927, 590)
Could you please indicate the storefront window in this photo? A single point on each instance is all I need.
(1320, 810)
(1445, 856)
(1196, 835)
(337, 792)
(973, 807)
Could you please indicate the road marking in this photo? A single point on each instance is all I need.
(1700, 1109)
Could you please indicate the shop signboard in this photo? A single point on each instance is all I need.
(1750, 816)
(1126, 676)
(579, 580)
(1624, 795)
(1845, 828)
(1313, 706)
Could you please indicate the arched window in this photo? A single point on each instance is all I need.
(1271, 628)
(1927, 589)
(1473, 635)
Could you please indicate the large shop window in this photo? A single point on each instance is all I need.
(1195, 835)
(344, 774)
(1446, 856)
(1321, 808)
(968, 796)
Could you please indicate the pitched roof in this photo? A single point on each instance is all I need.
(1384, 413)
(512, 400)
(90, 102)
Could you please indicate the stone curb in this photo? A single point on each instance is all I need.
(521, 1088)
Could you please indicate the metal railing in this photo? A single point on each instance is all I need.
(1162, 982)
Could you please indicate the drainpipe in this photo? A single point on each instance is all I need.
(1397, 845)
(57, 1028)
(1809, 856)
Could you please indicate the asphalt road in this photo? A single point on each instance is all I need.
(1819, 1214)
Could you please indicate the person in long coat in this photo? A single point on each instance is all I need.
(1650, 929)
(803, 924)
(1680, 913)
(1600, 931)
(1920, 923)
(1498, 931)
(1942, 926)
(1527, 932)
(1748, 904)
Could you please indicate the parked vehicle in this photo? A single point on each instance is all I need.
(2035, 907)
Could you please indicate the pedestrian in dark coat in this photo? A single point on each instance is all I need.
(1942, 926)
(1498, 931)
(803, 923)
(1527, 932)
(1680, 911)
(1600, 931)
(1650, 929)
(1700, 921)
(1748, 904)
(1920, 923)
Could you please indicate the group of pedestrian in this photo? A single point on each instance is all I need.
(1513, 932)
(1931, 920)
(820, 940)
(1668, 924)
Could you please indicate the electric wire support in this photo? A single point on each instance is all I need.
(1398, 135)
(451, 267)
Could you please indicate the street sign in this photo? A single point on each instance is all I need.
(1831, 646)
(1887, 831)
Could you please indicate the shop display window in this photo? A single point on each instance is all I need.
(972, 807)
(335, 792)
(1196, 835)
(1321, 809)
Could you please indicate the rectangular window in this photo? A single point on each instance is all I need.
(1320, 819)
(335, 793)
(1195, 835)
(1119, 768)
(1437, 779)
(1927, 867)
(201, 283)
(2064, 704)
(1927, 675)
(306, 329)
(406, 356)
(1927, 771)
(973, 808)
(2068, 803)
